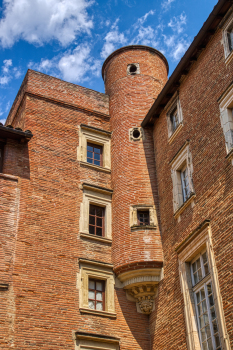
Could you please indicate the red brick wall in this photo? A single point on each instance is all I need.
(213, 180)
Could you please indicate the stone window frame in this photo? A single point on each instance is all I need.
(87, 341)
(182, 159)
(100, 137)
(199, 240)
(226, 24)
(90, 269)
(134, 216)
(98, 196)
(171, 105)
(226, 117)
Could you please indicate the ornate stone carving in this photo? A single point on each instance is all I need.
(141, 285)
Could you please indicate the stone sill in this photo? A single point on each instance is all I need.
(146, 227)
(184, 205)
(95, 167)
(229, 58)
(95, 238)
(98, 313)
(9, 177)
(171, 138)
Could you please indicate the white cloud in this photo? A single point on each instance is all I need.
(166, 4)
(177, 23)
(6, 65)
(8, 71)
(179, 49)
(74, 66)
(39, 21)
(113, 40)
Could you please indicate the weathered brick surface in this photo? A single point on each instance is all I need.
(213, 180)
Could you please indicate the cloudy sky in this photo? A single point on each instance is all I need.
(70, 39)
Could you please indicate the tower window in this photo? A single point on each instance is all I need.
(96, 291)
(143, 218)
(133, 69)
(94, 154)
(96, 220)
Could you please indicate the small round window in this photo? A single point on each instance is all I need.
(133, 68)
(136, 134)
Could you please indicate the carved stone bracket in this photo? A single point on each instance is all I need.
(141, 285)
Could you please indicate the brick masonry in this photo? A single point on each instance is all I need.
(41, 194)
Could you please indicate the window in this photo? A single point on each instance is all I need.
(96, 285)
(143, 218)
(96, 213)
(94, 154)
(1, 156)
(133, 69)
(90, 341)
(181, 172)
(174, 117)
(203, 310)
(94, 148)
(226, 116)
(96, 220)
(143, 215)
(227, 26)
(204, 302)
(185, 183)
(96, 293)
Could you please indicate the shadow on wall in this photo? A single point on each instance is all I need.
(137, 332)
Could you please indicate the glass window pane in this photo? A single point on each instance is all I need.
(204, 307)
(91, 220)
(99, 286)
(194, 267)
(91, 294)
(99, 231)
(199, 309)
(202, 294)
(215, 326)
(99, 222)
(96, 162)
(204, 345)
(199, 274)
(92, 210)
(203, 335)
(99, 306)
(91, 305)
(99, 211)
(198, 263)
(210, 344)
(89, 148)
(217, 340)
(99, 296)
(209, 289)
(201, 320)
(206, 318)
(195, 278)
(206, 268)
(198, 297)
(213, 314)
(97, 150)
(207, 330)
(89, 160)
(89, 154)
(92, 229)
(91, 284)
(211, 300)
(97, 156)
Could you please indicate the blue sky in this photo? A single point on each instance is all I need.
(70, 39)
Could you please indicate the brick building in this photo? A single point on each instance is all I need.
(116, 208)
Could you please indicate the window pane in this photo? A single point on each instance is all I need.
(90, 160)
(217, 341)
(99, 222)
(210, 345)
(99, 296)
(198, 263)
(89, 154)
(92, 210)
(205, 346)
(202, 294)
(211, 300)
(203, 335)
(89, 148)
(99, 231)
(91, 220)
(96, 162)
(209, 289)
(207, 329)
(99, 306)
(204, 307)
(206, 318)
(198, 297)
(91, 304)
(91, 284)
(199, 274)
(97, 150)
(213, 314)
(99, 286)
(91, 294)
(99, 211)
(96, 156)
(215, 326)
(92, 230)
(194, 267)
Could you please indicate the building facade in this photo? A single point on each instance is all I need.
(116, 208)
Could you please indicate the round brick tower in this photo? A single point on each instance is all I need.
(134, 76)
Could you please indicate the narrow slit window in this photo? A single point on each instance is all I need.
(94, 154)
(185, 183)
(143, 218)
(96, 294)
(96, 220)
